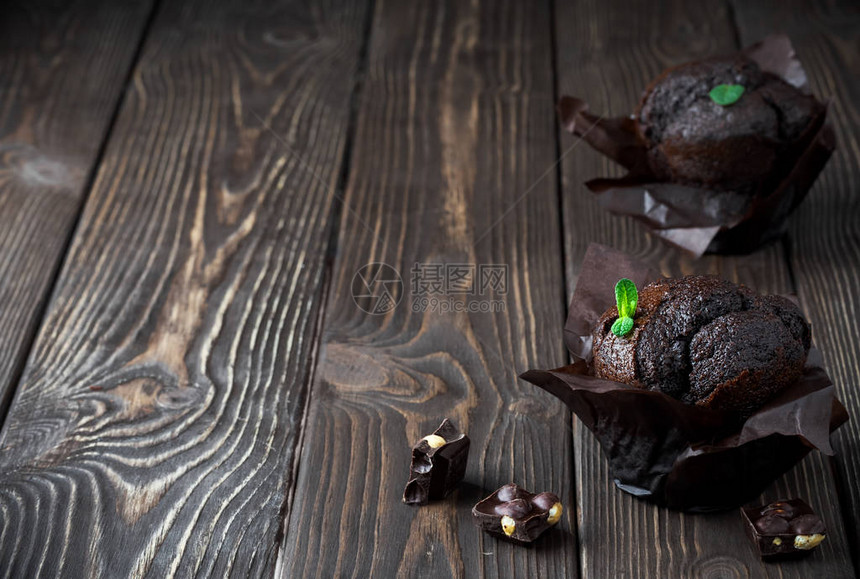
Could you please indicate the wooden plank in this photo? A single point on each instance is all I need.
(453, 164)
(825, 233)
(63, 67)
(607, 53)
(154, 430)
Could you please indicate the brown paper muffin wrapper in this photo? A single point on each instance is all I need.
(674, 454)
(695, 219)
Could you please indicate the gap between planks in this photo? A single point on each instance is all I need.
(45, 300)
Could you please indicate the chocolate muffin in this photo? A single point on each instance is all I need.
(694, 141)
(706, 341)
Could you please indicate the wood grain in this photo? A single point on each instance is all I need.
(606, 54)
(825, 233)
(154, 429)
(52, 124)
(453, 164)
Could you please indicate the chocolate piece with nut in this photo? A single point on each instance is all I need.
(438, 464)
(517, 515)
(784, 529)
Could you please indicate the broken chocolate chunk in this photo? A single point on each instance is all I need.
(438, 464)
(784, 529)
(517, 515)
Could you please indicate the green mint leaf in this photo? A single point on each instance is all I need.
(726, 94)
(622, 326)
(626, 298)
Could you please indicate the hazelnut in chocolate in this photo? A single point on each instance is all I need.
(438, 464)
(784, 529)
(517, 515)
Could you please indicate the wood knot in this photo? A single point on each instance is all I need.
(348, 369)
(719, 568)
(34, 168)
(146, 395)
(177, 398)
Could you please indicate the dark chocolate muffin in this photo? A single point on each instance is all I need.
(694, 141)
(706, 341)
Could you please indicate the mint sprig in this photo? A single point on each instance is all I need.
(726, 94)
(626, 298)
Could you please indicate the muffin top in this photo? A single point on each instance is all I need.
(693, 140)
(706, 341)
(677, 103)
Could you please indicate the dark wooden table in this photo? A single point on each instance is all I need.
(187, 190)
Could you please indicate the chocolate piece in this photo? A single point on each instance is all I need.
(784, 529)
(772, 525)
(517, 515)
(438, 464)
